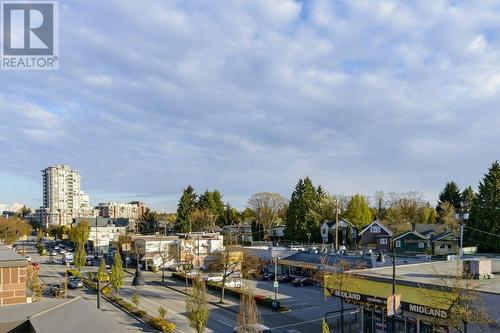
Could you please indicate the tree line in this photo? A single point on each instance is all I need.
(310, 205)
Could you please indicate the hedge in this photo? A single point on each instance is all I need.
(73, 272)
(259, 299)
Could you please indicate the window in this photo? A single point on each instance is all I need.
(421, 245)
(324, 231)
(383, 241)
(375, 229)
(449, 246)
(441, 246)
(398, 243)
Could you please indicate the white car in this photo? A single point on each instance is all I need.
(233, 283)
(213, 277)
(192, 273)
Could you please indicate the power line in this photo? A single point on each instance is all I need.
(484, 232)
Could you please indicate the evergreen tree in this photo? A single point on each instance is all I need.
(467, 198)
(212, 201)
(483, 227)
(148, 223)
(185, 208)
(302, 216)
(450, 193)
(358, 212)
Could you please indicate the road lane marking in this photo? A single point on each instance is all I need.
(223, 322)
(296, 324)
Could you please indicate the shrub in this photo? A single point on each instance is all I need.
(73, 272)
(139, 313)
(152, 269)
(162, 325)
(106, 290)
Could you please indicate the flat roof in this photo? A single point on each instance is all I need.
(10, 258)
(434, 273)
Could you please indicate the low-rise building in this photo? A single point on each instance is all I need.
(12, 277)
(410, 242)
(445, 243)
(376, 236)
(425, 292)
(276, 232)
(155, 250)
(347, 232)
(104, 231)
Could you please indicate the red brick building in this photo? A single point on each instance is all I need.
(12, 277)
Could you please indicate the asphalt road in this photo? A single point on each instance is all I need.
(308, 304)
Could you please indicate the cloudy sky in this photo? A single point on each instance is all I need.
(249, 95)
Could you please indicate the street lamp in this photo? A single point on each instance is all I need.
(138, 279)
(380, 259)
(462, 216)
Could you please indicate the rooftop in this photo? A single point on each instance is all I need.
(10, 258)
(434, 273)
(51, 316)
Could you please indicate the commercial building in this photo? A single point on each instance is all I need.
(62, 197)
(104, 231)
(12, 277)
(156, 250)
(425, 296)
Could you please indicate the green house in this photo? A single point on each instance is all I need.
(410, 242)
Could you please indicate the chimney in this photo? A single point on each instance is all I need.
(413, 227)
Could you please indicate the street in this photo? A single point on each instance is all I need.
(308, 304)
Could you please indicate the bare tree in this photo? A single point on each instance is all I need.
(460, 295)
(267, 206)
(248, 319)
(403, 210)
(227, 261)
(166, 252)
(197, 306)
(338, 281)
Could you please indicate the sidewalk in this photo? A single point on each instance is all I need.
(231, 303)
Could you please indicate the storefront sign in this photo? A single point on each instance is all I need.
(427, 311)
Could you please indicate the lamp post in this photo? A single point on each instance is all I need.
(309, 238)
(462, 216)
(380, 258)
(138, 279)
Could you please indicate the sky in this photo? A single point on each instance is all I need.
(247, 96)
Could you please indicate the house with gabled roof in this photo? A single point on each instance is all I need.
(376, 236)
(410, 242)
(445, 243)
(348, 233)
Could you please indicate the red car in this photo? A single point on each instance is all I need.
(35, 265)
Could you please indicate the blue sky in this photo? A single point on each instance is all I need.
(248, 96)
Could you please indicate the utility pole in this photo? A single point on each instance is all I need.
(336, 224)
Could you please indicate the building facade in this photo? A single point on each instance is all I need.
(12, 277)
(132, 210)
(62, 197)
(376, 236)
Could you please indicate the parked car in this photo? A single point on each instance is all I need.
(233, 283)
(174, 268)
(301, 282)
(253, 328)
(35, 265)
(29, 258)
(55, 289)
(53, 253)
(213, 277)
(192, 273)
(285, 278)
(89, 261)
(268, 276)
(75, 282)
(62, 251)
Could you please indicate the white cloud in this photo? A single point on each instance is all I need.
(246, 95)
